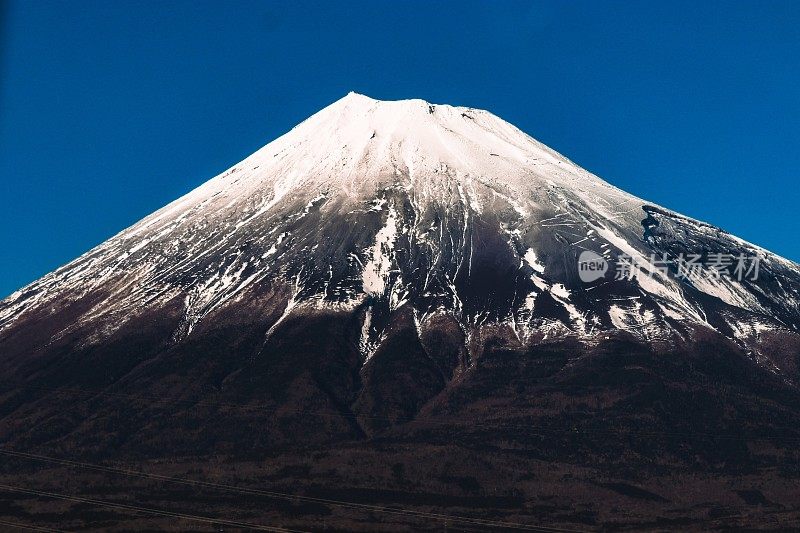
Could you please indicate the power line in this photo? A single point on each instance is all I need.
(29, 527)
(145, 510)
(278, 495)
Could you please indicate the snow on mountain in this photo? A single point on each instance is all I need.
(370, 206)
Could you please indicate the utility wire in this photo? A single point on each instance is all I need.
(28, 527)
(275, 494)
(145, 510)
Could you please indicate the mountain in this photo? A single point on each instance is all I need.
(414, 275)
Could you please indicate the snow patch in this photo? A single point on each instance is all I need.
(376, 270)
(533, 262)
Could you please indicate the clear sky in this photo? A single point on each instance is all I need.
(111, 109)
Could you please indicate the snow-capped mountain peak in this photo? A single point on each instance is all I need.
(372, 207)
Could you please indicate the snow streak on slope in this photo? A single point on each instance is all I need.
(376, 271)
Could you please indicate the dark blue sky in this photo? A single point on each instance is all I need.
(111, 109)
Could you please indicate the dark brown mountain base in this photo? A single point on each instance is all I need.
(607, 435)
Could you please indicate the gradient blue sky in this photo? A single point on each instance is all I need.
(111, 109)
